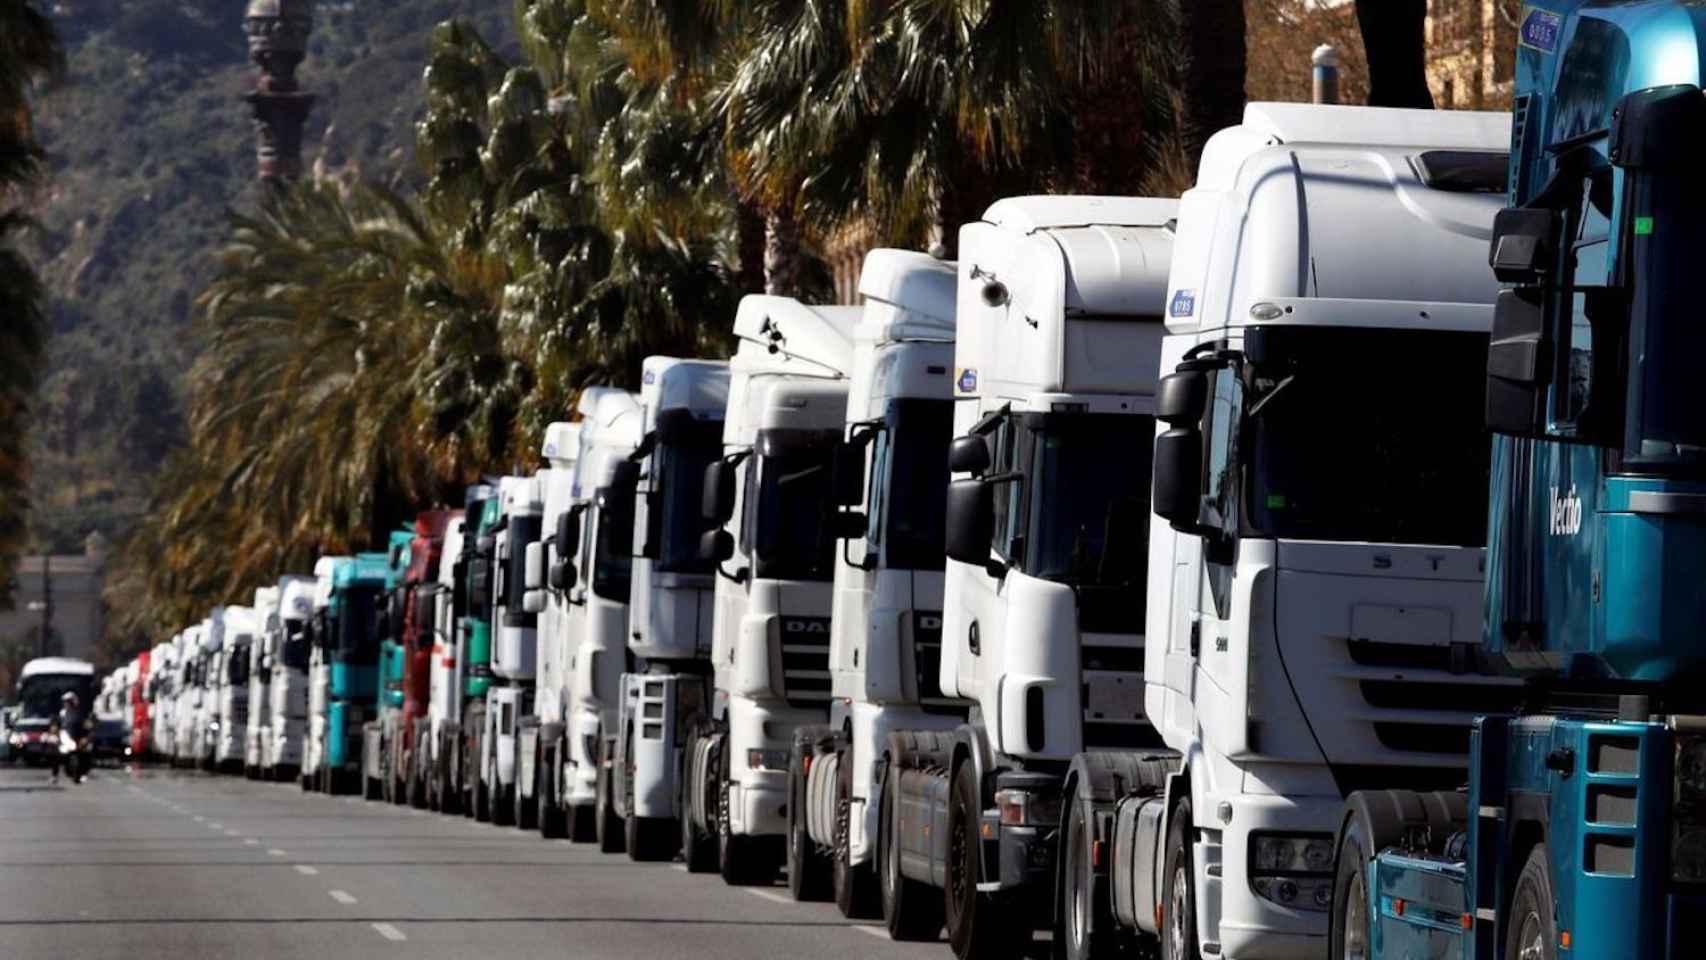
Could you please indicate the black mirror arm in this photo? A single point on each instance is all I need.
(866, 563)
(739, 577)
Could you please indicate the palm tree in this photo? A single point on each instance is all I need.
(1210, 77)
(29, 52)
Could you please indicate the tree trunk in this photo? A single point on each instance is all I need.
(750, 231)
(1211, 69)
(783, 260)
(1394, 36)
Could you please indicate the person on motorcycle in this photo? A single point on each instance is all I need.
(69, 725)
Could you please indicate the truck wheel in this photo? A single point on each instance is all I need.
(855, 884)
(526, 809)
(1086, 929)
(806, 867)
(372, 789)
(980, 925)
(742, 860)
(1178, 890)
(611, 836)
(306, 784)
(698, 848)
(1348, 926)
(1532, 932)
(650, 839)
(912, 910)
(417, 782)
(503, 803)
(583, 823)
(552, 823)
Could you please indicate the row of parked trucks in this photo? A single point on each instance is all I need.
(1147, 576)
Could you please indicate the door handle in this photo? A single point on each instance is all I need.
(973, 641)
(1196, 639)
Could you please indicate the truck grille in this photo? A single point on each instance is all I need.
(1422, 698)
(1112, 694)
(805, 661)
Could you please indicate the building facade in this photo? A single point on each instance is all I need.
(61, 593)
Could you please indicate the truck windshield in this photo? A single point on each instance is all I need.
(1369, 436)
(678, 490)
(613, 549)
(39, 696)
(295, 644)
(790, 535)
(910, 501)
(1089, 498)
(237, 664)
(358, 624)
(524, 528)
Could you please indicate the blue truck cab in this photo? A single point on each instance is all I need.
(358, 589)
(1581, 831)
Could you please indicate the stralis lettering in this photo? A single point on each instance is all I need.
(1566, 513)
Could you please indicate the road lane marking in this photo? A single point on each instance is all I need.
(251, 841)
(873, 931)
(306, 870)
(680, 866)
(275, 852)
(216, 826)
(773, 897)
(341, 897)
(389, 932)
(199, 818)
(232, 833)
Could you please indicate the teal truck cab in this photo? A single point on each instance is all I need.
(352, 657)
(379, 733)
(1582, 830)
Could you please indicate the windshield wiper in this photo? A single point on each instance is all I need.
(1256, 409)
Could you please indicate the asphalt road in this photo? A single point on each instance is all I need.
(152, 863)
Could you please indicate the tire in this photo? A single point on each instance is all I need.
(741, 860)
(698, 848)
(1086, 927)
(503, 803)
(610, 829)
(482, 801)
(912, 910)
(1532, 932)
(553, 823)
(306, 783)
(583, 823)
(526, 809)
(1349, 923)
(372, 789)
(854, 885)
(417, 782)
(651, 839)
(808, 874)
(1178, 890)
(981, 926)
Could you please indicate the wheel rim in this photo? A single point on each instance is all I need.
(1531, 942)
(891, 863)
(1356, 919)
(1177, 905)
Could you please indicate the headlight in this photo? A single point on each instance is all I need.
(1293, 870)
(16, 740)
(767, 759)
(1021, 808)
(1688, 813)
(214, 726)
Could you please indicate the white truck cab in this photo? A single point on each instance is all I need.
(1316, 563)
(258, 727)
(542, 748)
(1060, 301)
(886, 629)
(229, 678)
(287, 652)
(665, 694)
(769, 510)
(319, 673)
(444, 702)
(514, 649)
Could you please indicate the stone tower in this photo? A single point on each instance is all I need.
(278, 40)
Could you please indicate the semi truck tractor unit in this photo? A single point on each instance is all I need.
(257, 726)
(584, 567)
(767, 511)
(1308, 630)
(379, 733)
(350, 651)
(229, 683)
(1059, 307)
(514, 652)
(446, 680)
(319, 672)
(288, 651)
(471, 752)
(890, 484)
(666, 692)
(408, 767)
(1581, 830)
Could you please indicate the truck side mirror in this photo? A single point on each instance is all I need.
(1525, 244)
(970, 519)
(562, 576)
(848, 524)
(480, 583)
(718, 504)
(1177, 484)
(534, 561)
(625, 478)
(426, 616)
(1182, 398)
(716, 546)
(1519, 364)
(969, 455)
(849, 474)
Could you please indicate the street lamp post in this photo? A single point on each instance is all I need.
(44, 605)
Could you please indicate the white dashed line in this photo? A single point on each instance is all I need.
(773, 897)
(252, 842)
(873, 931)
(341, 897)
(306, 870)
(680, 866)
(275, 852)
(215, 826)
(232, 833)
(389, 932)
(199, 818)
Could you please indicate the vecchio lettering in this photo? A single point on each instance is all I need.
(1566, 513)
